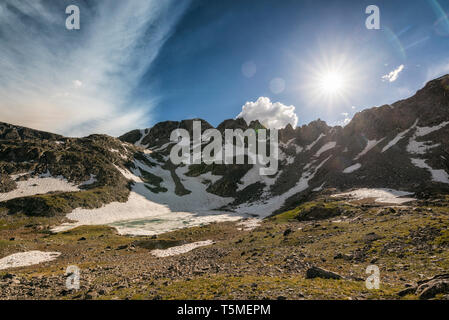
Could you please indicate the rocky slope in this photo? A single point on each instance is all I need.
(401, 146)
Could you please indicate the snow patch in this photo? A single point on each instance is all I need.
(326, 147)
(382, 195)
(253, 176)
(437, 175)
(352, 168)
(249, 224)
(369, 145)
(423, 131)
(422, 147)
(173, 251)
(310, 146)
(39, 185)
(28, 258)
(143, 133)
(399, 137)
(319, 188)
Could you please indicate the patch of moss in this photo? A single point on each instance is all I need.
(313, 210)
(260, 287)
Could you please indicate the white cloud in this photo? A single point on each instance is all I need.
(80, 82)
(272, 115)
(393, 75)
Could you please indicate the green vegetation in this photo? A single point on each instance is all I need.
(313, 210)
(263, 287)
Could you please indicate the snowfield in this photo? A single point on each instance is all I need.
(38, 185)
(173, 251)
(28, 258)
(147, 213)
(381, 195)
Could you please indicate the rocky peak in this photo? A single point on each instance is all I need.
(287, 133)
(310, 132)
(233, 124)
(12, 132)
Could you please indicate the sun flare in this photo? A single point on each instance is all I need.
(332, 83)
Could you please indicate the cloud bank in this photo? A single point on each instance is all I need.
(393, 75)
(84, 81)
(271, 115)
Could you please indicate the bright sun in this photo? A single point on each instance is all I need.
(332, 83)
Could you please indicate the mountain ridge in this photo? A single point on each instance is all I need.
(400, 146)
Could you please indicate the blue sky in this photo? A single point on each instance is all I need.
(135, 63)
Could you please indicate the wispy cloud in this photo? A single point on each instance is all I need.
(80, 82)
(393, 75)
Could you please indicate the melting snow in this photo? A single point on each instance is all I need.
(253, 176)
(421, 147)
(39, 185)
(399, 137)
(147, 213)
(143, 133)
(264, 208)
(319, 188)
(173, 251)
(352, 168)
(422, 131)
(310, 146)
(381, 195)
(437, 175)
(249, 224)
(28, 258)
(369, 145)
(326, 147)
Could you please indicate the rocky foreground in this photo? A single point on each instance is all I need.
(319, 250)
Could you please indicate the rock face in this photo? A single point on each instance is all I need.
(90, 163)
(401, 146)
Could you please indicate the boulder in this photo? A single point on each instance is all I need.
(315, 272)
